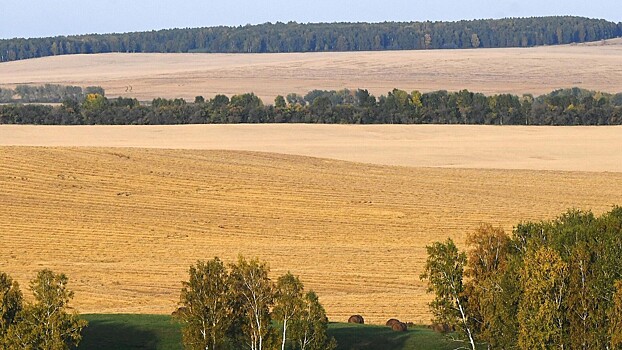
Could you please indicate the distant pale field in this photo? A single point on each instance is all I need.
(455, 146)
(536, 70)
(126, 223)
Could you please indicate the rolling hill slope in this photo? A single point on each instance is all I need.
(125, 224)
(536, 70)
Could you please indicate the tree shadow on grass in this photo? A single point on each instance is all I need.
(125, 332)
(365, 337)
(360, 337)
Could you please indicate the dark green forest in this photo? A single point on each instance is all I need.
(315, 37)
(561, 107)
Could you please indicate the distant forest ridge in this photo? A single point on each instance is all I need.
(323, 37)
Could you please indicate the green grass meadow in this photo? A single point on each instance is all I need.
(125, 332)
(161, 332)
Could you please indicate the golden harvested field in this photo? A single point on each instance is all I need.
(125, 223)
(455, 146)
(536, 70)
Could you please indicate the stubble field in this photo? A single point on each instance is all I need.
(594, 148)
(126, 223)
(537, 70)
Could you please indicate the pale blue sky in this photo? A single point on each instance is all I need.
(35, 18)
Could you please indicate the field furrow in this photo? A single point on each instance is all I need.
(125, 224)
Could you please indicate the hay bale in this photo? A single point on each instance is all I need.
(441, 327)
(399, 327)
(392, 321)
(179, 312)
(356, 319)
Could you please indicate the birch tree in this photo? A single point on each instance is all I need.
(288, 302)
(10, 304)
(206, 312)
(492, 288)
(46, 324)
(541, 310)
(615, 317)
(309, 330)
(444, 273)
(587, 300)
(254, 291)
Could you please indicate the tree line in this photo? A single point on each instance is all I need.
(239, 307)
(222, 307)
(48, 93)
(561, 107)
(551, 284)
(44, 323)
(315, 37)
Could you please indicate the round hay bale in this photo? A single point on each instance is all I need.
(356, 319)
(392, 321)
(441, 327)
(399, 327)
(179, 312)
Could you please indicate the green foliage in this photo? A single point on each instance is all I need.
(254, 295)
(475, 42)
(490, 287)
(561, 107)
(48, 93)
(553, 284)
(163, 102)
(94, 90)
(6, 95)
(541, 309)
(229, 308)
(310, 328)
(46, 324)
(207, 306)
(313, 37)
(279, 102)
(246, 108)
(364, 99)
(246, 101)
(219, 101)
(10, 304)
(444, 270)
(615, 317)
(293, 99)
(123, 102)
(94, 102)
(288, 303)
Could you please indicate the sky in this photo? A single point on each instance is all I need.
(39, 18)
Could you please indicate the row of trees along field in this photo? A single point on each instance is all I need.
(42, 324)
(48, 93)
(239, 307)
(296, 37)
(554, 284)
(561, 107)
